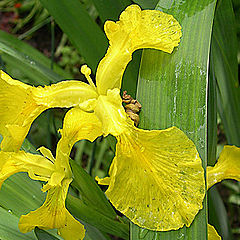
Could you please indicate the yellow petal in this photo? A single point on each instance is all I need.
(77, 125)
(46, 153)
(17, 112)
(73, 229)
(103, 181)
(13, 136)
(157, 180)
(212, 233)
(37, 167)
(111, 113)
(136, 29)
(227, 167)
(64, 94)
(55, 180)
(21, 104)
(53, 214)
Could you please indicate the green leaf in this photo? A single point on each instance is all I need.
(29, 60)
(89, 215)
(81, 30)
(176, 85)
(110, 9)
(225, 67)
(218, 216)
(212, 116)
(93, 233)
(43, 235)
(217, 213)
(9, 227)
(91, 193)
(147, 4)
(20, 194)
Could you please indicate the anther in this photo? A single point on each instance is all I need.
(132, 107)
(87, 72)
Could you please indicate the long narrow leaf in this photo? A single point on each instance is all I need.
(109, 10)
(216, 209)
(36, 70)
(176, 85)
(91, 192)
(96, 219)
(149, 4)
(225, 66)
(82, 31)
(29, 60)
(9, 227)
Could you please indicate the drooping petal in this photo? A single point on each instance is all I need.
(136, 29)
(227, 167)
(21, 104)
(157, 179)
(111, 113)
(212, 233)
(37, 167)
(73, 229)
(17, 112)
(53, 214)
(77, 125)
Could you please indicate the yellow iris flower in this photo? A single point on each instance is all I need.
(156, 178)
(57, 174)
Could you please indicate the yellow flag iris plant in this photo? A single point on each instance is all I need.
(156, 178)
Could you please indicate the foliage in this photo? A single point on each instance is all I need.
(209, 51)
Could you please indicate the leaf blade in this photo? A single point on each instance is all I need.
(225, 66)
(176, 86)
(82, 31)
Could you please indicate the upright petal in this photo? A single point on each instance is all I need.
(157, 179)
(212, 233)
(136, 29)
(37, 167)
(53, 214)
(21, 104)
(227, 167)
